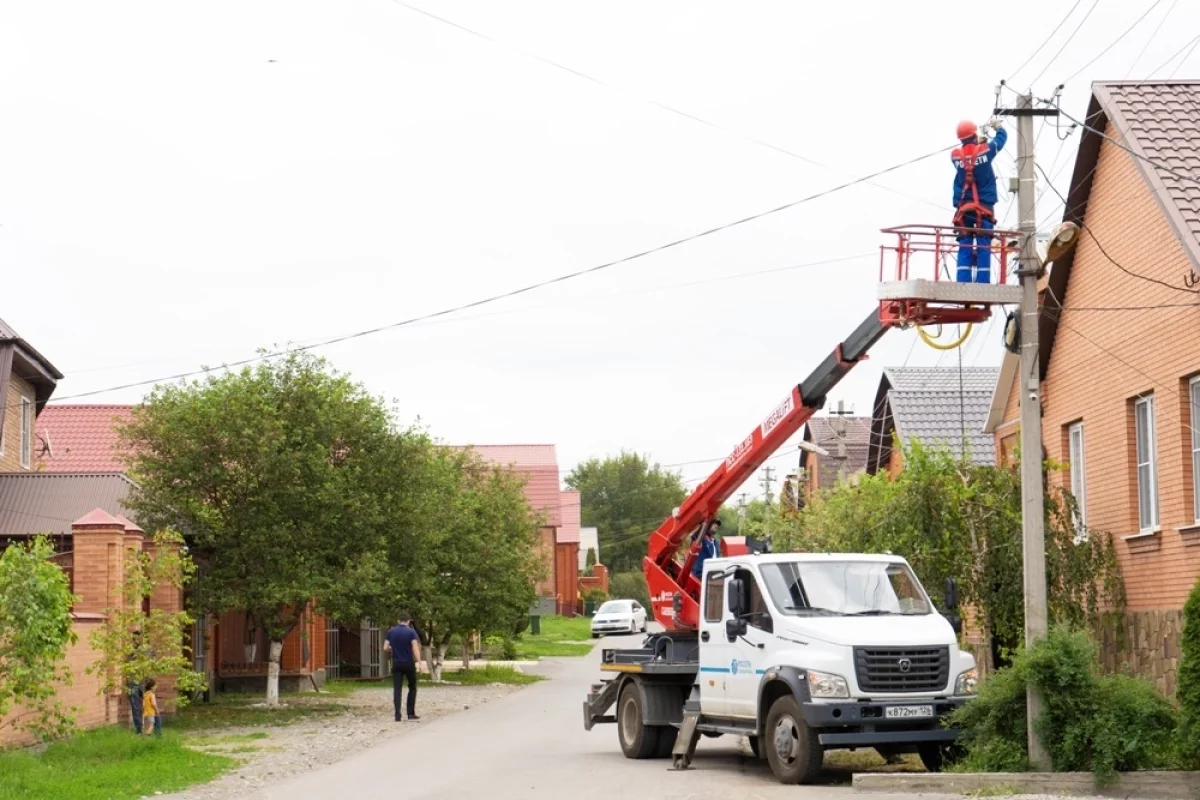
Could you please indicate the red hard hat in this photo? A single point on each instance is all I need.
(966, 129)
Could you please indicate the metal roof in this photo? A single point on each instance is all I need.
(539, 464)
(8, 334)
(571, 510)
(40, 502)
(926, 404)
(80, 438)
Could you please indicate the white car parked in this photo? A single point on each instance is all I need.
(619, 616)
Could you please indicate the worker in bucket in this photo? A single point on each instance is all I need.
(975, 198)
(708, 546)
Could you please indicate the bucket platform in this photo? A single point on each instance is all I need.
(917, 273)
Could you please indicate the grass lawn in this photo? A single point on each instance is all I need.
(559, 636)
(242, 710)
(107, 764)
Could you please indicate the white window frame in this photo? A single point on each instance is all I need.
(1194, 419)
(26, 422)
(1147, 517)
(1077, 458)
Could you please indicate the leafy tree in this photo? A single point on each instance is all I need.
(625, 498)
(1188, 677)
(35, 632)
(590, 559)
(460, 553)
(629, 586)
(134, 645)
(271, 472)
(951, 519)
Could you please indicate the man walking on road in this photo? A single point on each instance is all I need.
(405, 646)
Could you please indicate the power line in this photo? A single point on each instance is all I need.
(1153, 35)
(657, 104)
(1067, 42)
(524, 289)
(1128, 30)
(1112, 260)
(1032, 55)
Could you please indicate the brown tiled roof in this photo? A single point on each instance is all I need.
(39, 502)
(854, 433)
(1159, 121)
(80, 438)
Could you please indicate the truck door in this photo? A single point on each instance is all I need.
(715, 650)
(748, 659)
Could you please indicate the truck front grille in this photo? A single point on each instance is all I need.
(902, 669)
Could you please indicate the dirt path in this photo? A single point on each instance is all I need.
(270, 754)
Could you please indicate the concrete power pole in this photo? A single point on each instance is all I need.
(766, 482)
(1032, 510)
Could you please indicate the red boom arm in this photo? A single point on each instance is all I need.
(674, 591)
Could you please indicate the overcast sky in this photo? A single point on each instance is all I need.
(183, 183)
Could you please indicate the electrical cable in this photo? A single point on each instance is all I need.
(1128, 30)
(929, 340)
(1113, 261)
(1033, 55)
(523, 290)
(657, 104)
(1153, 36)
(1067, 42)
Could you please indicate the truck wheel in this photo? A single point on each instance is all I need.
(793, 751)
(754, 746)
(936, 756)
(638, 740)
(667, 734)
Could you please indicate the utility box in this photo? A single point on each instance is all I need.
(535, 624)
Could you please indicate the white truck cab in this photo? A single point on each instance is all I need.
(800, 652)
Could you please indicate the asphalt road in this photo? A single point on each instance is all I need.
(531, 745)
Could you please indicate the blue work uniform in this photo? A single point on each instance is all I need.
(974, 201)
(708, 549)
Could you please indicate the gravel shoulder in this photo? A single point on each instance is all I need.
(270, 753)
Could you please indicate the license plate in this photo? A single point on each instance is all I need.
(907, 712)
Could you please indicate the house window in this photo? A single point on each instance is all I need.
(714, 597)
(1195, 419)
(26, 432)
(1078, 481)
(1147, 462)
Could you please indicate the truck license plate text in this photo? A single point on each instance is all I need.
(907, 712)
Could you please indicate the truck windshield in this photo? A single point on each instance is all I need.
(844, 588)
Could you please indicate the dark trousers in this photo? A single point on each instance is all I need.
(400, 671)
(135, 710)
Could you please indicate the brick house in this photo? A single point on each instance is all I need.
(846, 438)
(942, 408)
(1120, 356)
(82, 440)
(83, 516)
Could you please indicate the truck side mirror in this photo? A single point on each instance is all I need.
(734, 628)
(951, 594)
(733, 597)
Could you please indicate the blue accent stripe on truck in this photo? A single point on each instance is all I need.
(714, 669)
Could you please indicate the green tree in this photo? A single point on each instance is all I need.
(629, 586)
(35, 632)
(135, 645)
(460, 553)
(625, 498)
(590, 559)
(953, 520)
(271, 472)
(1188, 677)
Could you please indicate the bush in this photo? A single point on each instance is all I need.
(596, 596)
(1188, 689)
(500, 648)
(1090, 721)
(629, 586)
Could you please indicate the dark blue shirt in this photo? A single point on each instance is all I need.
(401, 638)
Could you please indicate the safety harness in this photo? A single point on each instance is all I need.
(965, 206)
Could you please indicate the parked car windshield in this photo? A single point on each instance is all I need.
(614, 607)
(844, 588)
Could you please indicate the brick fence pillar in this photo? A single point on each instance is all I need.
(98, 540)
(169, 600)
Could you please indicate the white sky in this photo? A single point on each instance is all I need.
(182, 183)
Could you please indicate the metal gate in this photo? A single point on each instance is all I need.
(372, 650)
(333, 664)
(354, 652)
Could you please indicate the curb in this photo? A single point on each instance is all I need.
(1164, 785)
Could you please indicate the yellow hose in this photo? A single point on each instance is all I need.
(929, 340)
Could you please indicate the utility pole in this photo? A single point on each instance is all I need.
(766, 482)
(741, 511)
(1032, 509)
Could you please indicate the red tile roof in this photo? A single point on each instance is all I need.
(80, 438)
(568, 532)
(539, 465)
